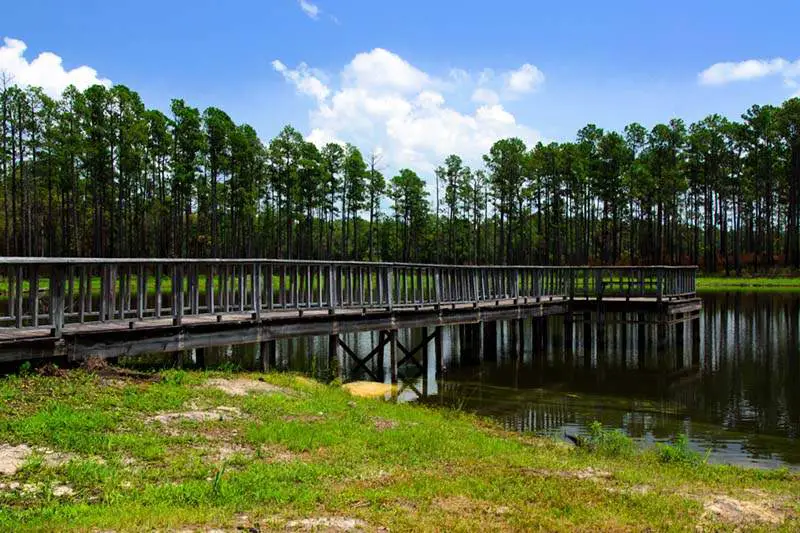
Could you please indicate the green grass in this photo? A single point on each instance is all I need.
(747, 284)
(314, 451)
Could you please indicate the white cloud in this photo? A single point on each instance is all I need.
(459, 76)
(720, 73)
(312, 10)
(486, 76)
(385, 101)
(525, 79)
(751, 69)
(46, 70)
(482, 95)
(306, 80)
(382, 70)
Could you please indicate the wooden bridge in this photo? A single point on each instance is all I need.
(78, 307)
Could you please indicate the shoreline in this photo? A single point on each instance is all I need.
(110, 448)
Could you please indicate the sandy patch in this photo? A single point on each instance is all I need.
(594, 474)
(243, 386)
(13, 457)
(275, 453)
(733, 511)
(332, 523)
(370, 389)
(36, 488)
(590, 473)
(62, 490)
(456, 504)
(632, 490)
(221, 413)
(382, 424)
(227, 451)
(53, 459)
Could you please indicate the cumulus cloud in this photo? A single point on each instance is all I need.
(384, 101)
(525, 79)
(46, 70)
(751, 69)
(382, 70)
(312, 10)
(306, 80)
(483, 95)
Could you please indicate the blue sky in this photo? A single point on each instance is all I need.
(403, 78)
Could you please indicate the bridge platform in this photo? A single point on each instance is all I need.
(77, 308)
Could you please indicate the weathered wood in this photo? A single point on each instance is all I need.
(238, 286)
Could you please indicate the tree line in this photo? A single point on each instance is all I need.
(96, 173)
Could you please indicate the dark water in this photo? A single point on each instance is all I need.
(730, 380)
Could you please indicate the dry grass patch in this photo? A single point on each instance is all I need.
(221, 413)
(244, 386)
(743, 512)
(328, 523)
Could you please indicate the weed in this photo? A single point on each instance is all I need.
(679, 452)
(608, 442)
(216, 483)
(174, 377)
(25, 369)
(228, 367)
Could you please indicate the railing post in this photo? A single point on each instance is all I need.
(331, 290)
(159, 275)
(177, 295)
(141, 292)
(437, 282)
(389, 286)
(270, 287)
(571, 277)
(257, 291)
(598, 283)
(57, 300)
(516, 285)
(210, 295)
(659, 284)
(476, 288)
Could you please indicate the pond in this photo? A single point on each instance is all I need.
(729, 380)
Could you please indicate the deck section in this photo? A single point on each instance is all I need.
(78, 308)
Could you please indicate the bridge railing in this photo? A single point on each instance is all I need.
(40, 292)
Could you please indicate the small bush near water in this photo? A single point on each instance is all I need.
(609, 442)
(679, 452)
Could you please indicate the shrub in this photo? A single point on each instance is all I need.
(608, 442)
(679, 452)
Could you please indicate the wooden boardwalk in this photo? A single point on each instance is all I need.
(111, 307)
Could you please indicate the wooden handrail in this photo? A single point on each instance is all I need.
(54, 291)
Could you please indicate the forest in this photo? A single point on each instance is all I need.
(97, 173)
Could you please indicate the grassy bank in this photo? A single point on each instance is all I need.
(748, 284)
(113, 449)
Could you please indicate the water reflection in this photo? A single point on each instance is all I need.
(728, 380)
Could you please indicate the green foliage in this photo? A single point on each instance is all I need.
(679, 452)
(113, 178)
(25, 368)
(608, 442)
(228, 367)
(317, 451)
(174, 377)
